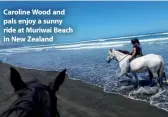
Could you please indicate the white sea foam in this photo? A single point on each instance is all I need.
(93, 47)
(93, 44)
(102, 44)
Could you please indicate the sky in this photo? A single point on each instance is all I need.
(96, 20)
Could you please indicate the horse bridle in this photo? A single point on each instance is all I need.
(10, 96)
(121, 59)
(42, 87)
(16, 93)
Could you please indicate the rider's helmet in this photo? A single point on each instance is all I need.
(135, 40)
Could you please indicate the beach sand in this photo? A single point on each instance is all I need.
(78, 99)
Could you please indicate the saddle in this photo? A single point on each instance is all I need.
(128, 67)
(135, 57)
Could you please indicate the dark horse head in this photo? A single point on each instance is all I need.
(34, 98)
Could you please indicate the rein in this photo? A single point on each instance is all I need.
(123, 58)
(8, 97)
(15, 93)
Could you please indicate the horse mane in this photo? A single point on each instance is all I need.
(34, 99)
(124, 51)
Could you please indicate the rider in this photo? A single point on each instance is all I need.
(136, 52)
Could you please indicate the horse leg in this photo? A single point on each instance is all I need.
(119, 76)
(137, 81)
(150, 77)
(160, 80)
(164, 75)
(128, 76)
(161, 74)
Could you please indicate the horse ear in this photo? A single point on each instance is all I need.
(112, 49)
(58, 81)
(16, 80)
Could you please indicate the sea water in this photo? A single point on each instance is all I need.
(86, 61)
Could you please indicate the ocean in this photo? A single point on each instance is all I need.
(86, 61)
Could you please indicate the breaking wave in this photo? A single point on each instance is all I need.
(82, 45)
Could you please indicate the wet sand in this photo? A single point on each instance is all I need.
(78, 99)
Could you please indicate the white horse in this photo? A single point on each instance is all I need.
(152, 63)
